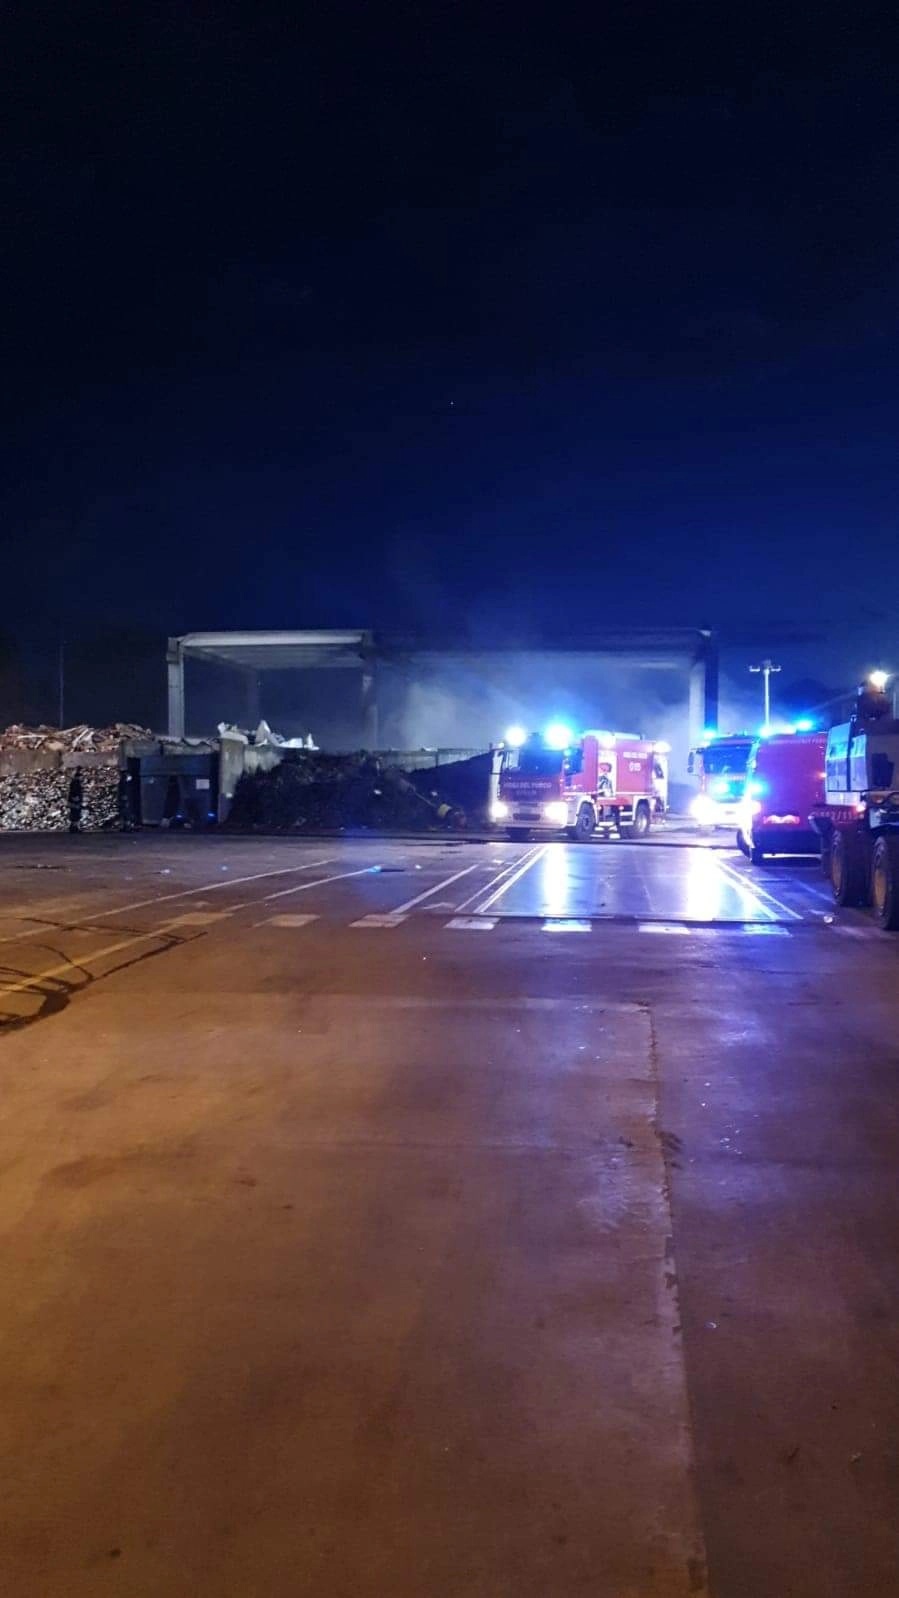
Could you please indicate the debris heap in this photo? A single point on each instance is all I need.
(315, 792)
(36, 765)
(38, 801)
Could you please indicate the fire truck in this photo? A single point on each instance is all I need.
(600, 782)
(719, 766)
(858, 823)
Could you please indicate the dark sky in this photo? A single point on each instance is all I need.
(417, 315)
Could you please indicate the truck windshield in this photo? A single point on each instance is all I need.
(534, 762)
(726, 762)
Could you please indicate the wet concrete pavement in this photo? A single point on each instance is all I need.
(370, 1234)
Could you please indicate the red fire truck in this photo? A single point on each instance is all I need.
(719, 766)
(598, 783)
(858, 823)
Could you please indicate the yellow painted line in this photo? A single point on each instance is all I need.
(27, 983)
(159, 898)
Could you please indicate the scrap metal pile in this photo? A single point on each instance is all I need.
(315, 792)
(36, 766)
(38, 801)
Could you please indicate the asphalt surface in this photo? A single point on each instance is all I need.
(453, 1219)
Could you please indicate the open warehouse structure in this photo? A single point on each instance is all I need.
(361, 689)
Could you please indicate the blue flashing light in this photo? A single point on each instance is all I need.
(757, 787)
(805, 724)
(720, 787)
(558, 735)
(709, 734)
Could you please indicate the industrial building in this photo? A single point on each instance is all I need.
(360, 689)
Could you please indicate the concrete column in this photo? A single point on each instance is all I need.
(711, 682)
(370, 707)
(175, 664)
(698, 708)
(704, 689)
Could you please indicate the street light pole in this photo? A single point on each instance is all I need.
(766, 668)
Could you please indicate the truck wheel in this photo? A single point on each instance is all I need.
(885, 881)
(847, 867)
(583, 827)
(642, 821)
(742, 845)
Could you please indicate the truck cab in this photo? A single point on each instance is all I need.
(719, 766)
(602, 782)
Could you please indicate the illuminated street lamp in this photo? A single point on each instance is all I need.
(767, 668)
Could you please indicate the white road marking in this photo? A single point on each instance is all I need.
(754, 890)
(767, 929)
(161, 898)
(447, 882)
(509, 867)
(393, 919)
(563, 924)
(471, 924)
(287, 921)
(676, 927)
(816, 890)
(198, 918)
(488, 903)
(448, 1001)
(304, 887)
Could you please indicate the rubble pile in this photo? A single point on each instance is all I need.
(314, 792)
(463, 784)
(38, 801)
(36, 765)
(73, 740)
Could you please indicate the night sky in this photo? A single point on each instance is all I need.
(443, 316)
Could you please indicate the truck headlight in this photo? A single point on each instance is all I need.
(499, 810)
(556, 812)
(704, 810)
